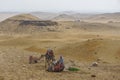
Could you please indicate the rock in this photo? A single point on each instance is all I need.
(24, 65)
(113, 76)
(93, 75)
(95, 53)
(72, 63)
(94, 64)
(89, 68)
(98, 59)
(67, 67)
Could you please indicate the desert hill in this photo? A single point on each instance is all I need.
(45, 15)
(5, 15)
(66, 14)
(106, 17)
(95, 26)
(64, 17)
(80, 16)
(90, 27)
(71, 16)
(25, 23)
(24, 17)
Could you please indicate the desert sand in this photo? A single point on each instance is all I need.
(79, 42)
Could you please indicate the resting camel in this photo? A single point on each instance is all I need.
(33, 59)
(48, 59)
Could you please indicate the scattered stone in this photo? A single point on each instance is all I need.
(72, 63)
(88, 40)
(113, 76)
(89, 68)
(98, 35)
(24, 65)
(93, 75)
(116, 57)
(95, 53)
(99, 60)
(110, 21)
(23, 68)
(94, 64)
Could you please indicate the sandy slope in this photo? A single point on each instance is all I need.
(80, 43)
(79, 50)
(4, 16)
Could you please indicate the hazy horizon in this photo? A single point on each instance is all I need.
(82, 6)
(57, 12)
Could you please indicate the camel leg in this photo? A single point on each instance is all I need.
(46, 64)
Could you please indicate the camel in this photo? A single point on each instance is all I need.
(50, 63)
(48, 60)
(33, 60)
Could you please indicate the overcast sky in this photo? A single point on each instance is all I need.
(60, 5)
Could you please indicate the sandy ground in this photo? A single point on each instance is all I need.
(79, 50)
(80, 43)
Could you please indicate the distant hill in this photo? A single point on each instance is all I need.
(24, 17)
(26, 23)
(61, 15)
(71, 16)
(95, 26)
(45, 15)
(64, 17)
(5, 15)
(90, 27)
(82, 15)
(106, 17)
